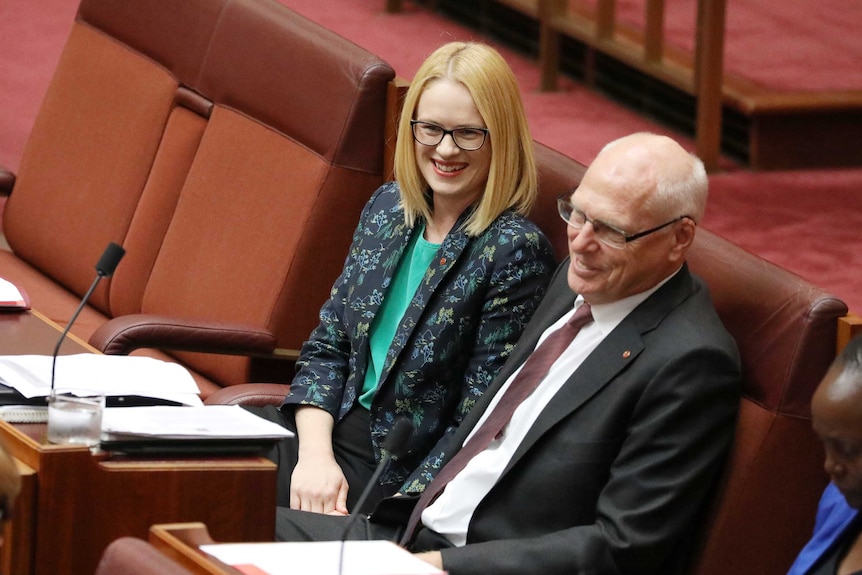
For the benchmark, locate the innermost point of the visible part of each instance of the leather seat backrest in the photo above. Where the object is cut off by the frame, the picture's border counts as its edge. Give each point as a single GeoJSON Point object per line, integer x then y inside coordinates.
{"type": "Point", "coordinates": [87, 159]}
{"type": "Point", "coordinates": [291, 151]}
{"type": "Point", "coordinates": [785, 329]}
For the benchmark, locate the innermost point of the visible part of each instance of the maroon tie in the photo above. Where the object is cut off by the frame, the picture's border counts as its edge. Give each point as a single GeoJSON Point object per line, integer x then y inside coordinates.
{"type": "Point", "coordinates": [532, 373]}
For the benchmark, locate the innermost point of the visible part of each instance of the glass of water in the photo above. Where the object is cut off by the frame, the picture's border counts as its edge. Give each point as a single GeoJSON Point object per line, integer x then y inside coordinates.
{"type": "Point", "coordinates": [74, 419]}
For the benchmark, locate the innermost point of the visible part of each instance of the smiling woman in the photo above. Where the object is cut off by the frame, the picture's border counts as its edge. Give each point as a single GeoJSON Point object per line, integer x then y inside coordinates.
{"type": "Point", "coordinates": [443, 274]}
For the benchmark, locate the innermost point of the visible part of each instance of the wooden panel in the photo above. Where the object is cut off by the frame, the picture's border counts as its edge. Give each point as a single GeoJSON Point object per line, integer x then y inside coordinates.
{"type": "Point", "coordinates": [181, 542]}
{"type": "Point", "coordinates": [115, 497]}
{"type": "Point", "coordinates": [395, 93]}
{"type": "Point", "coordinates": [849, 326]}
{"type": "Point", "coordinates": [709, 67]}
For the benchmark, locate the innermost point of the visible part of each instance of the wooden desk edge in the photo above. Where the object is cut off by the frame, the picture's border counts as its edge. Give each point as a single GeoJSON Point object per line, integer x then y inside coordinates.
{"type": "Point", "coordinates": [181, 542]}
{"type": "Point", "coordinates": [849, 327]}
{"type": "Point", "coordinates": [69, 335]}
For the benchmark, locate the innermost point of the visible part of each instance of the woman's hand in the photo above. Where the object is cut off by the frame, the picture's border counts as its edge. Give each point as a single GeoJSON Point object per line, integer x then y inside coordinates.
{"type": "Point", "coordinates": [317, 483]}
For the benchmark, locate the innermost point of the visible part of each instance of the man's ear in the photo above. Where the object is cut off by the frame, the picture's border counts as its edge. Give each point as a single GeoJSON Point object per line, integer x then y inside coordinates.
{"type": "Point", "coordinates": [683, 236]}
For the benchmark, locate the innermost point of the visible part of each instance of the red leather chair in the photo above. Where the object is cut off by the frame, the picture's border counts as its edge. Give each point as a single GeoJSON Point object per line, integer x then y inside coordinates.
{"type": "Point", "coordinates": [229, 146]}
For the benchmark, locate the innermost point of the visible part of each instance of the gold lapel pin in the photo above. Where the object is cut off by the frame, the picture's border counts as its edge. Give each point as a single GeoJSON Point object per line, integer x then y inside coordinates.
{"type": "Point", "coordinates": [626, 354]}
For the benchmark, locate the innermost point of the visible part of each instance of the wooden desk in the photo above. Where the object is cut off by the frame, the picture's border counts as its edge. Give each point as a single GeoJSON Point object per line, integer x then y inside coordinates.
{"type": "Point", "coordinates": [74, 503]}
{"type": "Point", "coordinates": [27, 332]}
{"type": "Point", "coordinates": [181, 542]}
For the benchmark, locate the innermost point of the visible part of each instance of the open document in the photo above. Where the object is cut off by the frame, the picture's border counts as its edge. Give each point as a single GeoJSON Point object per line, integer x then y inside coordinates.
{"type": "Point", "coordinates": [204, 422]}
{"type": "Point", "coordinates": [182, 430]}
{"type": "Point", "coordinates": [93, 373]}
{"type": "Point", "coordinates": [321, 558]}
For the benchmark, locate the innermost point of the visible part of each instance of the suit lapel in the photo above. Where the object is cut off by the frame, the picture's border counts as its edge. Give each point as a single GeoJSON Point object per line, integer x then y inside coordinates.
{"type": "Point", "coordinates": [450, 250]}
{"type": "Point", "coordinates": [556, 302]}
{"type": "Point", "coordinates": [621, 347]}
{"type": "Point", "coordinates": [392, 241]}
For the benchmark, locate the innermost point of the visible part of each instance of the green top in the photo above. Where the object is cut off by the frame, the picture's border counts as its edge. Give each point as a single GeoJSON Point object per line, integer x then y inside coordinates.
{"type": "Point", "coordinates": [411, 269]}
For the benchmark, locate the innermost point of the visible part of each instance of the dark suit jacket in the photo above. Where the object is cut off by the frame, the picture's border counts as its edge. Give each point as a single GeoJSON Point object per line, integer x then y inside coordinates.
{"type": "Point", "coordinates": [468, 312]}
{"type": "Point", "coordinates": [616, 471]}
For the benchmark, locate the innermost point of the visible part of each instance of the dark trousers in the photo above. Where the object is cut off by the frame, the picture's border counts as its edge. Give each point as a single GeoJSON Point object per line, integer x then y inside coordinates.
{"type": "Point", "coordinates": [351, 443]}
{"type": "Point", "coordinates": [293, 525]}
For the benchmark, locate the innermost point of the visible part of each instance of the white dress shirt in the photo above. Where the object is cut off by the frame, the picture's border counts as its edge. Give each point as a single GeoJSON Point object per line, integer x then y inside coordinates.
{"type": "Point", "coordinates": [451, 513]}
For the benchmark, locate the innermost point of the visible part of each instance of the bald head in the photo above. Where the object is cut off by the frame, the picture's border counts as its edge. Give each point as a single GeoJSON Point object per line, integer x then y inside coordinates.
{"type": "Point", "coordinates": [668, 178]}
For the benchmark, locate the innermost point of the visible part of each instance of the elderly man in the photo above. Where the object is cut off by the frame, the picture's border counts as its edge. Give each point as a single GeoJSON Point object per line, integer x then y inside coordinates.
{"type": "Point", "coordinates": [598, 456]}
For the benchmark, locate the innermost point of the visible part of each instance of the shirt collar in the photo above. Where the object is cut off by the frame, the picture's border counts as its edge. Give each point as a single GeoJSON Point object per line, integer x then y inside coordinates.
{"type": "Point", "coordinates": [608, 315]}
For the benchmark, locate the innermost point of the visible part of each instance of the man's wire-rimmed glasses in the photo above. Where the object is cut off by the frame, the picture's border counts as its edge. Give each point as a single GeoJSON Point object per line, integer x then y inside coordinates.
{"type": "Point", "coordinates": [609, 235]}
{"type": "Point", "coordinates": [468, 139]}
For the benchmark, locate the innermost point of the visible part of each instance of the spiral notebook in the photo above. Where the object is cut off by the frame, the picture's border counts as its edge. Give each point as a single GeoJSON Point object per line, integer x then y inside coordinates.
{"type": "Point", "coordinates": [24, 413]}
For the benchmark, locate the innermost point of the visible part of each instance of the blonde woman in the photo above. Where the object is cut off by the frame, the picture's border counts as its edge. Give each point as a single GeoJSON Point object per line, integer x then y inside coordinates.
{"type": "Point", "coordinates": [442, 276]}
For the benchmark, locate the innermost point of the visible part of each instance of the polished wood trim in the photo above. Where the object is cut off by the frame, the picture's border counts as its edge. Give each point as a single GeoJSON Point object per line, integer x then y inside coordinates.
{"type": "Point", "coordinates": [708, 78]}
{"type": "Point", "coordinates": [181, 542]}
{"type": "Point", "coordinates": [395, 93]}
{"type": "Point", "coordinates": [654, 33]}
{"type": "Point", "coordinates": [70, 336]}
{"type": "Point", "coordinates": [30, 332]}
{"type": "Point", "coordinates": [115, 495]}
{"type": "Point", "coordinates": [849, 326]}
{"type": "Point", "coordinates": [123, 496]}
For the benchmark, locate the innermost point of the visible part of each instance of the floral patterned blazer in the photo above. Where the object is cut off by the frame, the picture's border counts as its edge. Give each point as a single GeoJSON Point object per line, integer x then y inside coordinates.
{"type": "Point", "coordinates": [469, 310]}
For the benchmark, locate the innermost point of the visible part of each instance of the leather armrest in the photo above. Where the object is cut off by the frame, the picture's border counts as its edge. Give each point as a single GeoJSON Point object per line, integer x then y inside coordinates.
{"type": "Point", "coordinates": [123, 334]}
{"type": "Point", "coordinates": [7, 181]}
{"type": "Point", "coordinates": [254, 394]}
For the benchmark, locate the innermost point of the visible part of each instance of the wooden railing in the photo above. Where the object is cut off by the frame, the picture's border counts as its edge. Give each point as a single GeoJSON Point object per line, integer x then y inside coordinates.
{"type": "Point", "coordinates": [597, 28]}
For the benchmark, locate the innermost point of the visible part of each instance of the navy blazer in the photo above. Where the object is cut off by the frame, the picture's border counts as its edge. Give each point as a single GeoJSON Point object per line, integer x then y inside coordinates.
{"type": "Point", "coordinates": [617, 469]}
{"type": "Point", "coordinates": [464, 320]}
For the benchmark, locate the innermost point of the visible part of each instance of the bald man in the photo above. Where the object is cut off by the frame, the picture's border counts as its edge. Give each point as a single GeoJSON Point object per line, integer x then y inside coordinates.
{"type": "Point", "coordinates": [606, 467]}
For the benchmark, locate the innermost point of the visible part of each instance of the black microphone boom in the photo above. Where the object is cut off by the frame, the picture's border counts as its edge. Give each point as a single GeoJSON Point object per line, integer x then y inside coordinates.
{"type": "Point", "coordinates": [394, 447]}
{"type": "Point", "coordinates": [104, 268]}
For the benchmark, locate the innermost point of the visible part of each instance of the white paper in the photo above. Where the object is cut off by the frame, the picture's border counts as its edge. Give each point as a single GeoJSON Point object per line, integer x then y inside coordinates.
{"type": "Point", "coordinates": [89, 373]}
{"type": "Point", "coordinates": [178, 422]}
{"type": "Point", "coordinates": [322, 558]}
{"type": "Point", "coordinates": [9, 292]}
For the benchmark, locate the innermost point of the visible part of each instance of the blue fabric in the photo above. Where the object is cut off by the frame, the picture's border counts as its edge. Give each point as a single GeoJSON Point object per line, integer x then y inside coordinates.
{"type": "Point", "coordinates": [462, 323]}
{"type": "Point", "coordinates": [833, 517]}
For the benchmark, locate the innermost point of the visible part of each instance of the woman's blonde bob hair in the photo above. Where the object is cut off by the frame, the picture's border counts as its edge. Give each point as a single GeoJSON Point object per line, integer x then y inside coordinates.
{"type": "Point", "coordinates": [512, 177]}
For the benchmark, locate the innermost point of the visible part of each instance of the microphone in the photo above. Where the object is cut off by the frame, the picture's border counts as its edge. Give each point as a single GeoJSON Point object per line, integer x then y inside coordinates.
{"type": "Point", "coordinates": [393, 448]}
{"type": "Point", "coordinates": [104, 268]}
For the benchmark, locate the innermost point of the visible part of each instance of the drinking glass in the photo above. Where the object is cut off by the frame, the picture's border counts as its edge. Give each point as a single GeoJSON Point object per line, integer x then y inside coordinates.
{"type": "Point", "coordinates": [74, 419]}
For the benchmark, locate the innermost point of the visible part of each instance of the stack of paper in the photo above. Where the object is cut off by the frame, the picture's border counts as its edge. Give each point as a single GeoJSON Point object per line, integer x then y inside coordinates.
{"type": "Point", "coordinates": [93, 373]}
{"type": "Point", "coordinates": [321, 558]}
{"type": "Point", "coordinates": [205, 422]}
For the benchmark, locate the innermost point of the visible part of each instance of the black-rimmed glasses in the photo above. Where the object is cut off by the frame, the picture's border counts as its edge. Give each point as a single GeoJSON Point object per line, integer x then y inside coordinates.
{"type": "Point", "coordinates": [468, 139]}
{"type": "Point", "coordinates": [609, 235]}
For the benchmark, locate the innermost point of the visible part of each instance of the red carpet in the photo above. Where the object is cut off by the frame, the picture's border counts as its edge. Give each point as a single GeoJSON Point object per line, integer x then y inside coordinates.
{"type": "Point", "coordinates": [805, 221]}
